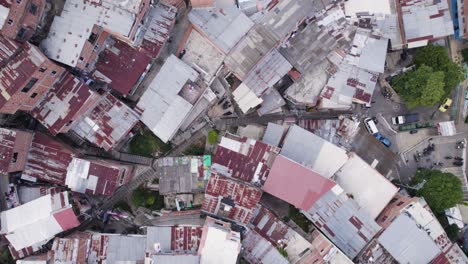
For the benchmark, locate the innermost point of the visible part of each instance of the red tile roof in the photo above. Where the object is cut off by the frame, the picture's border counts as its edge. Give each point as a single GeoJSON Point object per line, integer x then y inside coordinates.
{"type": "Point", "coordinates": [122, 66]}
{"type": "Point", "coordinates": [230, 198]}
{"type": "Point", "coordinates": [295, 183]}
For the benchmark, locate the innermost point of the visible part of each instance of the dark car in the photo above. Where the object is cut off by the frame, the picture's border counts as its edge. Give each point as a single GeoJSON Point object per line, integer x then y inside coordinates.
{"type": "Point", "coordinates": [458, 163]}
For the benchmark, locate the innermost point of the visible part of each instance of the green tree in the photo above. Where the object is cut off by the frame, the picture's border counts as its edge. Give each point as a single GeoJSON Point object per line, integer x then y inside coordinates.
{"type": "Point", "coordinates": [212, 136]}
{"type": "Point", "coordinates": [147, 144]}
{"type": "Point", "coordinates": [441, 190]}
{"type": "Point", "coordinates": [422, 86]}
{"type": "Point", "coordinates": [438, 59]}
{"type": "Point", "coordinates": [453, 232]}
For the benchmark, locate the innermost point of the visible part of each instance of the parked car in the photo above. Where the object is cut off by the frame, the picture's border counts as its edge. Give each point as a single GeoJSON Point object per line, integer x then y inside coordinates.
{"type": "Point", "coordinates": [371, 126]}
{"type": "Point", "coordinates": [458, 163]}
{"type": "Point", "coordinates": [414, 131]}
{"type": "Point", "coordinates": [404, 119]}
{"type": "Point", "coordinates": [383, 139]}
{"type": "Point", "coordinates": [443, 108]}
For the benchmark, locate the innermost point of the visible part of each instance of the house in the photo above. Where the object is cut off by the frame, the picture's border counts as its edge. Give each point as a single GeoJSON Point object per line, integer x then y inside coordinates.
{"type": "Point", "coordinates": [219, 244]}
{"type": "Point", "coordinates": [259, 250]}
{"type": "Point", "coordinates": [324, 203]}
{"type": "Point", "coordinates": [230, 198]}
{"type": "Point", "coordinates": [26, 75]}
{"type": "Point", "coordinates": [266, 226]}
{"type": "Point", "coordinates": [14, 147]}
{"type": "Point", "coordinates": [244, 159]}
{"type": "Point", "coordinates": [169, 98]}
{"type": "Point", "coordinates": [322, 156]}
{"type": "Point", "coordinates": [30, 226]}
{"type": "Point", "coordinates": [20, 19]}
{"type": "Point", "coordinates": [77, 35]}
{"type": "Point", "coordinates": [51, 162]}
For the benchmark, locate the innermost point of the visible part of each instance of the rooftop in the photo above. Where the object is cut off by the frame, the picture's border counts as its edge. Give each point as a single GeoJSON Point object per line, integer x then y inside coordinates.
{"type": "Point", "coordinates": [163, 107]}
{"type": "Point", "coordinates": [121, 66]}
{"type": "Point", "coordinates": [296, 184]}
{"type": "Point", "coordinates": [186, 174]}
{"type": "Point", "coordinates": [107, 123]}
{"type": "Point", "coordinates": [14, 146]}
{"type": "Point", "coordinates": [245, 159]}
{"type": "Point", "coordinates": [230, 198]}
{"type": "Point", "coordinates": [355, 7]}
{"type": "Point", "coordinates": [273, 134]}
{"type": "Point", "coordinates": [222, 26]}
{"type": "Point", "coordinates": [322, 156]}
{"type": "Point", "coordinates": [64, 104]}
{"type": "Point", "coordinates": [370, 189]}
{"type": "Point", "coordinates": [29, 226]}
{"type": "Point", "coordinates": [257, 249]}
{"type": "Point", "coordinates": [174, 240]}
{"type": "Point", "coordinates": [115, 248]}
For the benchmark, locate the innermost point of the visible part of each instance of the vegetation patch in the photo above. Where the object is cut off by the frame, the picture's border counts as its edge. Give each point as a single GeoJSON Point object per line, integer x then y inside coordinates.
{"type": "Point", "coordinates": [212, 136]}
{"type": "Point", "coordinates": [147, 144]}
{"type": "Point", "coordinates": [298, 218]}
{"type": "Point", "coordinates": [147, 198]}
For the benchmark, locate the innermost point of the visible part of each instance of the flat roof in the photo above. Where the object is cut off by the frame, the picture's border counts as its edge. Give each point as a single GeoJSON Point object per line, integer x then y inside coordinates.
{"type": "Point", "coordinates": [354, 7]}
{"type": "Point", "coordinates": [296, 184]}
{"type": "Point", "coordinates": [162, 107]}
{"type": "Point", "coordinates": [219, 244]}
{"type": "Point", "coordinates": [321, 156]}
{"type": "Point", "coordinates": [223, 26]}
{"type": "Point", "coordinates": [370, 189]}
{"type": "Point", "coordinates": [273, 134]}
{"type": "Point", "coordinates": [184, 239]}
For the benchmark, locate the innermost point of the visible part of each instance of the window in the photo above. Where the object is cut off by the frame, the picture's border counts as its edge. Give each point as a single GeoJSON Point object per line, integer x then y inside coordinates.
{"type": "Point", "coordinates": [92, 38]}
{"type": "Point", "coordinates": [54, 72]}
{"type": "Point", "coordinates": [33, 9]}
{"type": "Point", "coordinates": [81, 59]}
{"type": "Point", "coordinates": [15, 157]}
{"type": "Point", "coordinates": [10, 21]}
{"type": "Point", "coordinates": [33, 95]}
{"type": "Point", "coordinates": [69, 122]}
{"type": "Point", "coordinates": [42, 69]}
{"type": "Point", "coordinates": [21, 33]}
{"type": "Point", "coordinates": [87, 65]}
{"type": "Point", "coordinates": [29, 85]}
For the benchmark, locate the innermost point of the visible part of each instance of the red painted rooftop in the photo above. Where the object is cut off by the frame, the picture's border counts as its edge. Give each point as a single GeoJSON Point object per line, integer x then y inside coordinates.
{"type": "Point", "coordinates": [295, 183]}
{"type": "Point", "coordinates": [67, 219]}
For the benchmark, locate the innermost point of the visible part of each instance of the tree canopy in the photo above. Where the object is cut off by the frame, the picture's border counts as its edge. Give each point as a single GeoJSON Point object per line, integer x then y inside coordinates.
{"type": "Point", "coordinates": [441, 190]}
{"type": "Point", "coordinates": [434, 78]}
{"type": "Point", "coordinates": [422, 86]}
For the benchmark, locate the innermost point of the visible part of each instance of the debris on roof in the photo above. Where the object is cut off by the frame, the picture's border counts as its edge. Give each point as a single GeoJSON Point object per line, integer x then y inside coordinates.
{"type": "Point", "coordinates": [230, 198]}
{"type": "Point", "coordinates": [188, 174]}
{"type": "Point", "coordinates": [29, 226]}
{"type": "Point", "coordinates": [370, 189]}
{"type": "Point", "coordinates": [173, 240]}
{"type": "Point", "coordinates": [222, 26]}
{"type": "Point", "coordinates": [169, 98]}
{"type": "Point", "coordinates": [322, 156]}
{"type": "Point", "coordinates": [257, 249]}
{"type": "Point", "coordinates": [218, 243]}
{"type": "Point", "coordinates": [245, 159]}
{"type": "Point", "coordinates": [106, 123]}
{"type": "Point", "coordinates": [121, 66]}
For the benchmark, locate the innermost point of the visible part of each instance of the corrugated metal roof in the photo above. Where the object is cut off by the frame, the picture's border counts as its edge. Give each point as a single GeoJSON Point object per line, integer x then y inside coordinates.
{"type": "Point", "coordinates": [273, 134]}
{"type": "Point", "coordinates": [181, 174]}
{"type": "Point", "coordinates": [259, 250]}
{"type": "Point", "coordinates": [163, 109]}
{"type": "Point", "coordinates": [173, 239]}
{"type": "Point", "coordinates": [176, 259]}
{"type": "Point", "coordinates": [296, 184]}
{"type": "Point", "coordinates": [371, 190]}
{"type": "Point", "coordinates": [223, 26]}
{"type": "Point", "coordinates": [321, 156]}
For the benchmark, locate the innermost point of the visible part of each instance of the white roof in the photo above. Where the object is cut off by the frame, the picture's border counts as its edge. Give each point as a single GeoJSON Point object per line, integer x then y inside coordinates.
{"type": "Point", "coordinates": [369, 188]}
{"type": "Point", "coordinates": [312, 151]}
{"type": "Point", "coordinates": [246, 98]}
{"type": "Point", "coordinates": [70, 31]}
{"type": "Point", "coordinates": [370, 6]}
{"type": "Point", "coordinates": [77, 175]}
{"type": "Point", "coordinates": [454, 216]}
{"type": "Point", "coordinates": [218, 249]}
{"type": "Point", "coordinates": [447, 128]}
{"type": "Point", "coordinates": [408, 243]}
{"type": "Point", "coordinates": [425, 218]}
{"type": "Point", "coordinates": [230, 144]}
{"type": "Point", "coordinates": [3, 14]}
{"type": "Point", "coordinates": [163, 109]}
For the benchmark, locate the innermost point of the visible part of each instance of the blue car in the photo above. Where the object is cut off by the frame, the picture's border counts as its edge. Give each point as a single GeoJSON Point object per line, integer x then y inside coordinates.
{"type": "Point", "coordinates": [383, 139]}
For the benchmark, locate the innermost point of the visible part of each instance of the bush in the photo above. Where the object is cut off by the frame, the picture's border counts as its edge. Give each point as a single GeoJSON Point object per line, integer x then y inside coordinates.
{"type": "Point", "coordinates": [283, 252]}
{"type": "Point", "coordinates": [146, 144]}
{"type": "Point", "coordinates": [148, 199]}
{"type": "Point", "coordinates": [195, 150]}
{"type": "Point", "coordinates": [465, 55]}
{"type": "Point", "coordinates": [297, 217]}
{"type": "Point", "coordinates": [212, 136]}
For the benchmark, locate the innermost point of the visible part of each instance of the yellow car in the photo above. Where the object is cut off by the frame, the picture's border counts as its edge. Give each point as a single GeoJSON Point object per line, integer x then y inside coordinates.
{"type": "Point", "coordinates": [446, 105]}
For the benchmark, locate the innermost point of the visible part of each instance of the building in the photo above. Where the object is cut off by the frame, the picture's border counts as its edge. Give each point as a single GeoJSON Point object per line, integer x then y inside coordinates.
{"type": "Point", "coordinates": [244, 159]}
{"type": "Point", "coordinates": [107, 123]}
{"type": "Point", "coordinates": [14, 147]}
{"type": "Point", "coordinates": [30, 226]}
{"type": "Point", "coordinates": [409, 229]}
{"type": "Point", "coordinates": [169, 98]}
{"type": "Point", "coordinates": [317, 249]}
{"type": "Point", "coordinates": [20, 19]}
{"type": "Point", "coordinates": [121, 66]}
{"type": "Point", "coordinates": [77, 35]}
{"type": "Point", "coordinates": [324, 203]}
{"type": "Point", "coordinates": [370, 189]}
{"type": "Point", "coordinates": [51, 162]}
{"type": "Point", "coordinates": [273, 134]}
{"type": "Point", "coordinates": [71, 106]}
{"type": "Point", "coordinates": [230, 198]}
{"type": "Point", "coordinates": [26, 75]}
{"type": "Point", "coordinates": [322, 156]}
{"type": "Point", "coordinates": [257, 249]}
{"type": "Point", "coordinates": [224, 27]}
{"type": "Point", "coordinates": [219, 244]}
{"type": "Point", "coordinates": [187, 174]}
